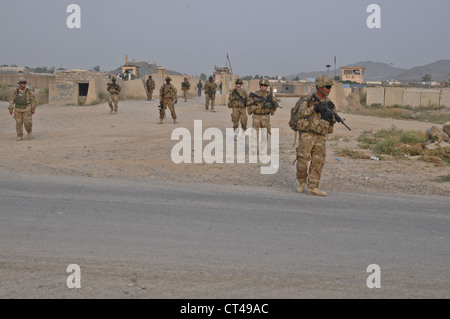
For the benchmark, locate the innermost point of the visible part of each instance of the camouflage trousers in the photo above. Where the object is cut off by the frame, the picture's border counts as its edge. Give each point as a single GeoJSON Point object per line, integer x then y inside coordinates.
{"type": "Point", "coordinates": [185, 95]}
{"type": "Point", "coordinates": [149, 94]}
{"type": "Point", "coordinates": [210, 99]}
{"type": "Point", "coordinates": [23, 118]}
{"type": "Point", "coordinates": [312, 148]}
{"type": "Point", "coordinates": [114, 102]}
{"type": "Point", "coordinates": [239, 115]}
{"type": "Point", "coordinates": [261, 121]}
{"type": "Point", "coordinates": [168, 103]}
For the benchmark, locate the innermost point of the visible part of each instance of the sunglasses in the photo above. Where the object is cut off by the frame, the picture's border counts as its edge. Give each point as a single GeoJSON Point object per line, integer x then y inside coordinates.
{"type": "Point", "coordinates": [22, 82]}
{"type": "Point", "coordinates": [263, 85]}
{"type": "Point", "coordinates": [328, 87]}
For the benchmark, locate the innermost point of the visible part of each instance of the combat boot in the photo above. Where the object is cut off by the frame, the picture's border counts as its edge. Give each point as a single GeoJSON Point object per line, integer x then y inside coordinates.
{"type": "Point", "coordinates": [18, 138]}
{"type": "Point", "coordinates": [29, 136]}
{"type": "Point", "coordinates": [161, 121]}
{"type": "Point", "coordinates": [175, 121]}
{"type": "Point", "coordinates": [301, 187]}
{"type": "Point", "coordinates": [316, 191]}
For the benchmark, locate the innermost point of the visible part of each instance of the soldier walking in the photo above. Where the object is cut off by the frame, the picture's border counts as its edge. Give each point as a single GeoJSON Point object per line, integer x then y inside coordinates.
{"type": "Point", "coordinates": [210, 89]}
{"type": "Point", "coordinates": [261, 107]}
{"type": "Point", "coordinates": [238, 102]}
{"type": "Point", "coordinates": [199, 87]}
{"type": "Point", "coordinates": [167, 99]}
{"type": "Point", "coordinates": [150, 85]}
{"type": "Point", "coordinates": [23, 105]}
{"type": "Point", "coordinates": [185, 86]}
{"type": "Point", "coordinates": [114, 90]}
{"type": "Point", "coordinates": [315, 123]}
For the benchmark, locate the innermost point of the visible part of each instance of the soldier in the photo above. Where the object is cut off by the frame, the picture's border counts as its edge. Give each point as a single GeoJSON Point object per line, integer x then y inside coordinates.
{"type": "Point", "coordinates": [199, 87]}
{"type": "Point", "coordinates": [23, 105]}
{"type": "Point", "coordinates": [114, 91]}
{"type": "Point", "coordinates": [150, 85]}
{"type": "Point", "coordinates": [185, 86]}
{"type": "Point", "coordinates": [167, 98]}
{"type": "Point", "coordinates": [262, 106]}
{"type": "Point", "coordinates": [315, 123]}
{"type": "Point", "coordinates": [210, 89]}
{"type": "Point", "coordinates": [238, 102]}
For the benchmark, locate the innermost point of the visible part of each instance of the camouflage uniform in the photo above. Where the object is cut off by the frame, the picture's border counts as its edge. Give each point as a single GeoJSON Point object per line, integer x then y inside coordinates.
{"type": "Point", "coordinates": [210, 89]}
{"type": "Point", "coordinates": [150, 86]}
{"type": "Point", "coordinates": [237, 101]}
{"type": "Point", "coordinates": [185, 86]}
{"type": "Point", "coordinates": [23, 105]}
{"type": "Point", "coordinates": [312, 145]}
{"type": "Point", "coordinates": [168, 97]}
{"type": "Point", "coordinates": [114, 91]}
{"type": "Point", "coordinates": [261, 113]}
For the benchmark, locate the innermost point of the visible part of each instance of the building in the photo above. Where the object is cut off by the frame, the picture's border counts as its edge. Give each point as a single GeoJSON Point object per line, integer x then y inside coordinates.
{"type": "Point", "coordinates": [353, 74]}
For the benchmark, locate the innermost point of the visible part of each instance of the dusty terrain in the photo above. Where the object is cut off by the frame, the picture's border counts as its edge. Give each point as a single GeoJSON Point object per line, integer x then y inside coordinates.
{"type": "Point", "coordinates": [89, 141]}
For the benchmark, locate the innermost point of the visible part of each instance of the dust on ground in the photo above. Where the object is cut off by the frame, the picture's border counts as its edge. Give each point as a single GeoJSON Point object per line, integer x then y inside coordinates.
{"type": "Point", "coordinates": [89, 141]}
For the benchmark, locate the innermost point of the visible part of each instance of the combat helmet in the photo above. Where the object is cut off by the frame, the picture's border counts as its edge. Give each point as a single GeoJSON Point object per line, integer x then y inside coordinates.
{"type": "Point", "coordinates": [264, 82]}
{"type": "Point", "coordinates": [239, 81]}
{"type": "Point", "coordinates": [21, 79]}
{"type": "Point", "coordinates": [168, 78]}
{"type": "Point", "coordinates": [113, 78]}
{"type": "Point", "coordinates": [323, 80]}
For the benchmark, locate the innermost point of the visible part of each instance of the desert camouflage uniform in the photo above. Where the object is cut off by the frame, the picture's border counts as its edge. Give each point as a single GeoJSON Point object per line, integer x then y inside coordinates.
{"type": "Point", "coordinates": [261, 115]}
{"type": "Point", "coordinates": [114, 91]}
{"type": "Point", "coordinates": [150, 86]}
{"type": "Point", "coordinates": [236, 102]}
{"type": "Point", "coordinates": [210, 89]}
{"type": "Point", "coordinates": [185, 86]}
{"type": "Point", "coordinates": [167, 95]}
{"type": "Point", "coordinates": [23, 104]}
{"type": "Point", "coordinates": [312, 143]}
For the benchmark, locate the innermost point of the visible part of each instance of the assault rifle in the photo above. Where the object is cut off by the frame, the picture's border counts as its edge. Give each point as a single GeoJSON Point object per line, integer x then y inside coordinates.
{"type": "Point", "coordinates": [240, 98]}
{"type": "Point", "coordinates": [161, 105]}
{"type": "Point", "coordinates": [329, 107]}
{"type": "Point", "coordinates": [266, 101]}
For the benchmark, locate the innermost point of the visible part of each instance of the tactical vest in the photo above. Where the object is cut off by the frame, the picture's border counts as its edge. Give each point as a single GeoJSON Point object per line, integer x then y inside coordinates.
{"type": "Point", "coordinates": [169, 91]}
{"type": "Point", "coordinates": [259, 108]}
{"type": "Point", "coordinates": [314, 123]}
{"type": "Point", "coordinates": [21, 100]}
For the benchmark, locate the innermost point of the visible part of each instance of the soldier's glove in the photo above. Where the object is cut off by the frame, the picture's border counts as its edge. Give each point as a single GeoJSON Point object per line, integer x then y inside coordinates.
{"type": "Point", "coordinates": [319, 108]}
{"type": "Point", "coordinates": [327, 116]}
{"type": "Point", "coordinates": [176, 101]}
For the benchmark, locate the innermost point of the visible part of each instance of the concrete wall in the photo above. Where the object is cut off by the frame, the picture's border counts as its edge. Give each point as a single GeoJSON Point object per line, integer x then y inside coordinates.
{"type": "Point", "coordinates": [393, 96]}
{"type": "Point", "coordinates": [78, 76]}
{"type": "Point", "coordinates": [337, 95]}
{"type": "Point", "coordinates": [375, 96]}
{"type": "Point", "coordinates": [63, 94]}
{"type": "Point", "coordinates": [411, 97]}
{"type": "Point", "coordinates": [133, 89]}
{"type": "Point", "coordinates": [445, 98]}
{"type": "Point", "coordinates": [34, 81]}
{"type": "Point", "coordinates": [95, 88]}
{"type": "Point", "coordinates": [430, 98]}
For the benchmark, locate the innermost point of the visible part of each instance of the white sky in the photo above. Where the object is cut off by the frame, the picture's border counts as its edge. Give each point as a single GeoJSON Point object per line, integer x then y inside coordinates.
{"type": "Point", "coordinates": [263, 37]}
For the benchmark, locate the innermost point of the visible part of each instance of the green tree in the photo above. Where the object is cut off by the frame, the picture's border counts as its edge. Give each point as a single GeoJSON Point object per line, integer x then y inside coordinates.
{"type": "Point", "coordinates": [426, 77]}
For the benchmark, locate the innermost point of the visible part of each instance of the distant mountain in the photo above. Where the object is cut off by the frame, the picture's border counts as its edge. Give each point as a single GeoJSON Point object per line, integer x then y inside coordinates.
{"type": "Point", "coordinates": [439, 70]}
{"type": "Point", "coordinates": [376, 71]}
{"type": "Point", "coordinates": [145, 68]}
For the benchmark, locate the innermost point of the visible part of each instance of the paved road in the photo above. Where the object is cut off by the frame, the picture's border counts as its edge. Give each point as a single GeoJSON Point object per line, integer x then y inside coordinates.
{"type": "Point", "coordinates": [142, 239]}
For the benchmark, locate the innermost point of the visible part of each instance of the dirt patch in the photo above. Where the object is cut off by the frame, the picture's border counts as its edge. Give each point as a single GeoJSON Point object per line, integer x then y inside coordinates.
{"type": "Point", "coordinates": [89, 141]}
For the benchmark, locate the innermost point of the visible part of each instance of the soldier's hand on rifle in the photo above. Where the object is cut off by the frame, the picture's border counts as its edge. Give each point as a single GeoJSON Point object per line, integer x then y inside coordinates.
{"type": "Point", "coordinates": [319, 108]}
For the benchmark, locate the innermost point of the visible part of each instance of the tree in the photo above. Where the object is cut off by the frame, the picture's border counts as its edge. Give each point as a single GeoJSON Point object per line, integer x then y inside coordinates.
{"type": "Point", "coordinates": [203, 77]}
{"type": "Point", "coordinates": [97, 68]}
{"type": "Point", "coordinates": [296, 78]}
{"type": "Point", "coordinates": [426, 77]}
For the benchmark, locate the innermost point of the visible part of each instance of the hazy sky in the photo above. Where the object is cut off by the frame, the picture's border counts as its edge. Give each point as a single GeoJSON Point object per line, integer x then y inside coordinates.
{"type": "Point", "coordinates": [263, 37]}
